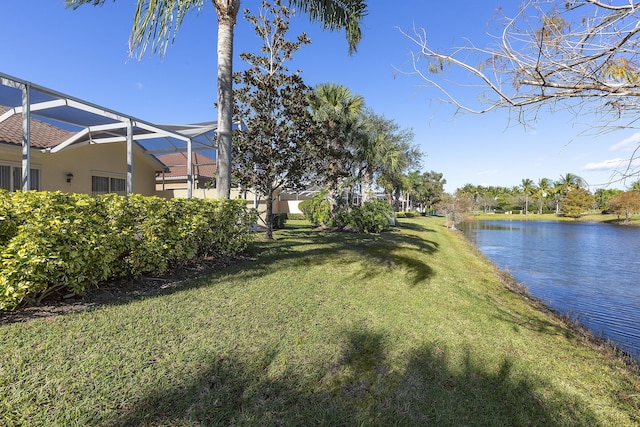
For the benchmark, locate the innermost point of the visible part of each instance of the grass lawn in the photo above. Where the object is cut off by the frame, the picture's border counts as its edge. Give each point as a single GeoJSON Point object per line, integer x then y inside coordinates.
{"type": "Point", "coordinates": [410, 327]}
{"type": "Point", "coordinates": [592, 217]}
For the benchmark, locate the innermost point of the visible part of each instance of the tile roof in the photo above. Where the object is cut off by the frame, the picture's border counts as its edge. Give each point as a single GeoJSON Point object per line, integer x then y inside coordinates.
{"type": "Point", "coordinates": [43, 135]}
{"type": "Point", "coordinates": [203, 166]}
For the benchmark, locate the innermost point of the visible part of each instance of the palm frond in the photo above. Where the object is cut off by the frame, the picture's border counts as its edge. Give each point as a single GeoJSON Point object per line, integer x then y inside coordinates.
{"type": "Point", "coordinates": [336, 15]}
{"type": "Point", "coordinates": [156, 23]}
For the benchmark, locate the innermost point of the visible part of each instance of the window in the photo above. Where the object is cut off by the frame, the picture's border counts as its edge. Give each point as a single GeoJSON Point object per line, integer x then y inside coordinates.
{"type": "Point", "coordinates": [11, 178]}
{"type": "Point", "coordinates": [105, 184]}
{"type": "Point", "coordinates": [207, 183]}
{"type": "Point", "coordinates": [5, 177]}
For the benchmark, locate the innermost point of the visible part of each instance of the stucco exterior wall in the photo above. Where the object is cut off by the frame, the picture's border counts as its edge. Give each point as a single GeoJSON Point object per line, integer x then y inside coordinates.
{"type": "Point", "coordinates": [109, 160]}
{"type": "Point", "coordinates": [179, 191]}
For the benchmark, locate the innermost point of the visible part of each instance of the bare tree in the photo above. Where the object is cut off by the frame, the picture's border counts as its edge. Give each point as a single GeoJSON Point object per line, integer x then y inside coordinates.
{"type": "Point", "coordinates": [457, 208]}
{"type": "Point", "coordinates": [579, 55]}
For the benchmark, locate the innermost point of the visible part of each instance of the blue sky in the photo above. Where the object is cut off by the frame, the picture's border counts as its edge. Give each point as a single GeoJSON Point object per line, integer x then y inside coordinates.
{"type": "Point", "coordinates": [84, 53]}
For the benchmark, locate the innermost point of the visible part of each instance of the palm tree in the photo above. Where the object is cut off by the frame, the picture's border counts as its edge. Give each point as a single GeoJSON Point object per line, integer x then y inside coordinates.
{"type": "Point", "coordinates": [527, 186]}
{"type": "Point", "coordinates": [382, 149]}
{"type": "Point", "coordinates": [565, 184]}
{"type": "Point", "coordinates": [369, 150]}
{"type": "Point", "coordinates": [396, 160]}
{"type": "Point", "coordinates": [158, 21]}
{"type": "Point", "coordinates": [544, 186]}
{"type": "Point", "coordinates": [556, 192]}
{"type": "Point", "coordinates": [413, 185]}
{"type": "Point", "coordinates": [340, 112]}
{"type": "Point", "coordinates": [570, 182]}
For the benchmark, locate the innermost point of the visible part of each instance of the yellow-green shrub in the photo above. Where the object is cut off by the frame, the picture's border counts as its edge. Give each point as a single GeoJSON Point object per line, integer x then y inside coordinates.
{"type": "Point", "coordinates": [8, 223]}
{"type": "Point", "coordinates": [51, 241]}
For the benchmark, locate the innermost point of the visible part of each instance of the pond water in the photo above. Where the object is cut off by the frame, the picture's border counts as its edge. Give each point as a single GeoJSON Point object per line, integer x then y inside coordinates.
{"type": "Point", "coordinates": [589, 271]}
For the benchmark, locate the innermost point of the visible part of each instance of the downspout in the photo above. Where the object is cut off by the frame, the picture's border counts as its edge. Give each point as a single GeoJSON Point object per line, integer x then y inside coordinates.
{"type": "Point", "coordinates": [189, 170]}
{"type": "Point", "coordinates": [26, 137]}
{"type": "Point", "coordinates": [129, 157]}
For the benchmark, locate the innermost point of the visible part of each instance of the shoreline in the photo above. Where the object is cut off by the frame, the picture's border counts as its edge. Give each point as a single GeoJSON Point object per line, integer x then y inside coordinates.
{"type": "Point", "coordinates": [586, 335]}
{"type": "Point", "coordinates": [513, 285]}
{"type": "Point", "coordinates": [634, 220]}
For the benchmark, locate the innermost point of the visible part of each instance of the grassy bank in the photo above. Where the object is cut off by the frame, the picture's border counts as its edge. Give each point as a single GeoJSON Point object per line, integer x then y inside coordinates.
{"type": "Point", "coordinates": [410, 327]}
{"type": "Point", "coordinates": [593, 217]}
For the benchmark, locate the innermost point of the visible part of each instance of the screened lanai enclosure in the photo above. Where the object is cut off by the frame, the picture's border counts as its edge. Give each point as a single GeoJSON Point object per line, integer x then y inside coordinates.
{"type": "Point", "coordinates": [24, 103]}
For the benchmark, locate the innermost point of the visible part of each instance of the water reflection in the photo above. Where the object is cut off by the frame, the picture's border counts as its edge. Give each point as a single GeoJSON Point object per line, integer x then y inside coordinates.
{"type": "Point", "coordinates": [589, 271]}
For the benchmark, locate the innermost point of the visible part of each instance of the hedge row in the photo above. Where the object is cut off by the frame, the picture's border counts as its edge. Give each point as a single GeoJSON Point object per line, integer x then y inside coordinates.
{"type": "Point", "coordinates": [51, 240]}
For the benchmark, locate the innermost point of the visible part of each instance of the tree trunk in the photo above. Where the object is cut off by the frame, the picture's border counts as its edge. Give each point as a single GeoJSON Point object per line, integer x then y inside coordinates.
{"type": "Point", "coordinates": [333, 197]}
{"type": "Point", "coordinates": [269, 214]}
{"type": "Point", "coordinates": [367, 182]}
{"type": "Point", "coordinates": [227, 11]}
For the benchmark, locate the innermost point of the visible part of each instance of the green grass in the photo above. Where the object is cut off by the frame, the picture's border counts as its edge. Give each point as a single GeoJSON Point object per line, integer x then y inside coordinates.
{"type": "Point", "coordinates": [410, 327]}
{"type": "Point", "coordinates": [592, 217]}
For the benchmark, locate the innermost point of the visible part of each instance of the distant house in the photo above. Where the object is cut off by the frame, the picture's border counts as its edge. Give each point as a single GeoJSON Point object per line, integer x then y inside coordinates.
{"type": "Point", "coordinates": [80, 168]}
{"type": "Point", "coordinates": [173, 182]}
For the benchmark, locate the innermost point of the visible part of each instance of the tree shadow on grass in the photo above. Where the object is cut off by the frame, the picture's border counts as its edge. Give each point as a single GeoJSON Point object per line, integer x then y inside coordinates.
{"type": "Point", "coordinates": [375, 254]}
{"type": "Point", "coordinates": [415, 226]}
{"type": "Point", "coordinates": [430, 386]}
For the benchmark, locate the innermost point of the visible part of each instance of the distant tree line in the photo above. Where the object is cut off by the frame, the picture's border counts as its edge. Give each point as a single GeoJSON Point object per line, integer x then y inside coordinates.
{"type": "Point", "coordinates": [568, 196]}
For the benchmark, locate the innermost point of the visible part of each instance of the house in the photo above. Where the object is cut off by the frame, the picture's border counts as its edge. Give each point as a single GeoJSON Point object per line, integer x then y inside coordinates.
{"type": "Point", "coordinates": [70, 145]}
{"type": "Point", "coordinates": [53, 141]}
{"type": "Point", "coordinates": [79, 168]}
{"type": "Point", "coordinates": [173, 182]}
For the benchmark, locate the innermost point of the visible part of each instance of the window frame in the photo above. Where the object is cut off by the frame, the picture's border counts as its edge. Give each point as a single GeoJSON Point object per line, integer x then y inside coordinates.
{"type": "Point", "coordinates": [14, 177]}
{"type": "Point", "coordinates": [114, 184]}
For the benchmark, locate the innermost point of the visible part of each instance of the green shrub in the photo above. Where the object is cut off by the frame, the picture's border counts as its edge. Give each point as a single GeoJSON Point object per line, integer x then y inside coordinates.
{"type": "Point", "coordinates": [60, 243]}
{"type": "Point", "coordinates": [52, 241]}
{"type": "Point", "coordinates": [305, 207]}
{"type": "Point", "coordinates": [296, 216]}
{"type": "Point", "coordinates": [407, 214]}
{"type": "Point", "coordinates": [278, 221]}
{"type": "Point", "coordinates": [8, 221]}
{"type": "Point", "coordinates": [372, 217]}
{"type": "Point", "coordinates": [317, 209]}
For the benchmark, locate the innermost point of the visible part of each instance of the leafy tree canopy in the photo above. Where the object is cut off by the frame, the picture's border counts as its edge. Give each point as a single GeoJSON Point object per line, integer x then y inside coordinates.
{"type": "Point", "coordinates": [275, 147]}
